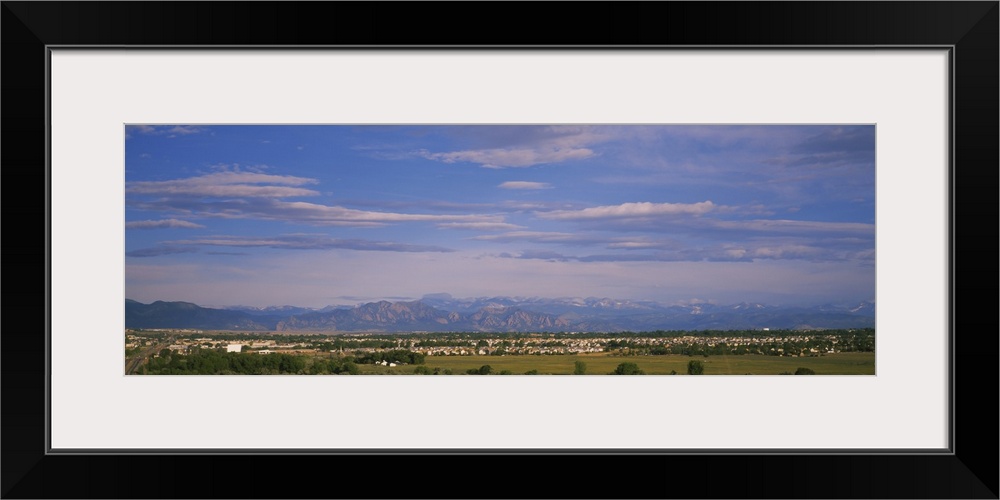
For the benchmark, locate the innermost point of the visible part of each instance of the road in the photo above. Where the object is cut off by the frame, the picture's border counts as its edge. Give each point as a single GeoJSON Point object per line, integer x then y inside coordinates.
{"type": "Point", "coordinates": [132, 364]}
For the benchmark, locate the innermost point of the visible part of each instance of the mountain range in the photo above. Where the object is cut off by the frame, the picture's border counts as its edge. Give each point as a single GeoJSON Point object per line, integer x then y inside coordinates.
{"type": "Point", "coordinates": [441, 313]}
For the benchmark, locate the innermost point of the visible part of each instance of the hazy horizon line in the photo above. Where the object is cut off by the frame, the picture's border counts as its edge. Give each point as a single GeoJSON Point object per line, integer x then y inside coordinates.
{"type": "Point", "coordinates": [359, 301]}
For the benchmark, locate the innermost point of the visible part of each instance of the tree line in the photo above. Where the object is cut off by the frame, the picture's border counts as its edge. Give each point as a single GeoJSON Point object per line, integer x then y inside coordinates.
{"type": "Point", "coordinates": [212, 362]}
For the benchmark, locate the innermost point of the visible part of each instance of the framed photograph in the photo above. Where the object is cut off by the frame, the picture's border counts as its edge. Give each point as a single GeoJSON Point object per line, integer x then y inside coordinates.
{"type": "Point", "coordinates": [450, 209]}
{"type": "Point", "coordinates": [457, 249]}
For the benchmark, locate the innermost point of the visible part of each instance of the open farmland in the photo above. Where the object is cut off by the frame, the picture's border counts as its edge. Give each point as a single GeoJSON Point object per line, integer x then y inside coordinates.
{"type": "Point", "coordinates": [848, 363]}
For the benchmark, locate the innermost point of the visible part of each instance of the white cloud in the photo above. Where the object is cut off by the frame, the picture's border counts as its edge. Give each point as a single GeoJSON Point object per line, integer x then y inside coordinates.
{"type": "Point", "coordinates": [776, 252]}
{"type": "Point", "coordinates": [227, 184]}
{"type": "Point", "coordinates": [505, 158]}
{"type": "Point", "coordinates": [297, 212]}
{"type": "Point", "coordinates": [524, 185]}
{"type": "Point", "coordinates": [161, 224]}
{"type": "Point", "coordinates": [183, 130]}
{"type": "Point", "coordinates": [479, 226]}
{"type": "Point", "coordinates": [631, 210]}
{"type": "Point", "coordinates": [234, 194]}
{"type": "Point", "coordinates": [316, 213]}
{"type": "Point", "coordinates": [634, 245]}
{"type": "Point", "coordinates": [535, 236]}
{"type": "Point", "coordinates": [142, 129]}
{"type": "Point", "coordinates": [526, 146]}
{"type": "Point", "coordinates": [170, 131]}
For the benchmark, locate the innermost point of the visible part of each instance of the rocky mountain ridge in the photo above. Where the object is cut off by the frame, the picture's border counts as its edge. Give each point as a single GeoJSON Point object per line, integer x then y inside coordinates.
{"type": "Point", "coordinates": [439, 312]}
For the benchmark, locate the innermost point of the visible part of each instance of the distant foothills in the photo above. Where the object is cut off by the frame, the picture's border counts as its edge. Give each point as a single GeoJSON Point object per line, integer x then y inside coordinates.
{"type": "Point", "coordinates": [443, 313]}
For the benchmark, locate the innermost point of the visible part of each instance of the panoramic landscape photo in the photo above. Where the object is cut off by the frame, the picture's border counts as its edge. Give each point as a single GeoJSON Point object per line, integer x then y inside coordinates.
{"type": "Point", "coordinates": [499, 249]}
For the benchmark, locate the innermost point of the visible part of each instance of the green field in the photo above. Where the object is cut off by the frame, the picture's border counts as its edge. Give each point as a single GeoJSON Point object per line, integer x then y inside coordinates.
{"type": "Point", "coordinates": [847, 363]}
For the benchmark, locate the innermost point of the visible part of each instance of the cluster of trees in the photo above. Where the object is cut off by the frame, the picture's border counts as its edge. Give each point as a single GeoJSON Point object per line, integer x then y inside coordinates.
{"type": "Point", "coordinates": [335, 366]}
{"type": "Point", "coordinates": [627, 369]}
{"type": "Point", "coordinates": [482, 370]}
{"type": "Point", "coordinates": [212, 362]}
{"type": "Point", "coordinates": [488, 370]}
{"type": "Point", "coordinates": [800, 371]}
{"type": "Point", "coordinates": [694, 367]}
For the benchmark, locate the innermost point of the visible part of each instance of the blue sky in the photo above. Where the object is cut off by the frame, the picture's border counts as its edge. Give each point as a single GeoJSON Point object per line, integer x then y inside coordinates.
{"type": "Point", "coordinates": [319, 215]}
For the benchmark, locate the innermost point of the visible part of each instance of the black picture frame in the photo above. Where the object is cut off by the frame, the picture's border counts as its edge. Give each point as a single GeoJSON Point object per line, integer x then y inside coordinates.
{"type": "Point", "coordinates": [969, 28]}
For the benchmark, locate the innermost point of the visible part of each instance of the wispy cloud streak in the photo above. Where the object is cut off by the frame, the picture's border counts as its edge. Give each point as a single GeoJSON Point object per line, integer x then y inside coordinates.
{"type": "Point", "coordinates": [524, 185]}
{"type": "Point", "coordinates": [632, 210]}
{"type": "Point", "coordinates": [479, 226]}
{"type": "Point", "coordinates": [520, 147]}
{"type": "Point", "coordinates": [170, 131]}
{"type": "Point", "coordinates": [227, 184]}
{"type": "Point", "coordinates": [162, 224]}
{"type": "Point", "coordinates": [306, 242]}
{"type": "Point", "coordinates": [507, 158]}
{"type": "Point", "coordinates": [253, 195]}
{"type": "Point", "coordinates": [160, 250]}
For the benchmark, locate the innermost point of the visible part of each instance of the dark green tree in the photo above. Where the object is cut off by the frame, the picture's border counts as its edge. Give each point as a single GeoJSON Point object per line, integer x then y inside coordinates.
{"type": "Point", "coordinates": [579, 368]}
{"type": "Point", "coordinates": [628, 369]}
{"type": "Point", "coordinates": [804, 371]}
{"type": "Point", "coordinates": [695, 367]}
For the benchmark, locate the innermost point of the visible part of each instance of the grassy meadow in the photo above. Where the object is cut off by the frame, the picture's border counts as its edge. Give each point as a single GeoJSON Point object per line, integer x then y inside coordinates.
{"type": "Point", "coordinates": [846, 363]}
